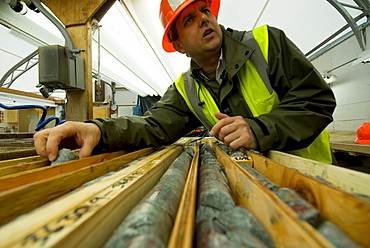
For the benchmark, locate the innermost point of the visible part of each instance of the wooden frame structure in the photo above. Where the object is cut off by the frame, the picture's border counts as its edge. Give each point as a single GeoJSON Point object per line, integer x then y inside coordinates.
{"type": "Point", "coordinates": [77, 17]}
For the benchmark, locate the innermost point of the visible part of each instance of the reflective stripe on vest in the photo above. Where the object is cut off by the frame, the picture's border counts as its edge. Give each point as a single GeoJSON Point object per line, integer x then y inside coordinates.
{"type": "Point", "coordinates": [260, 100]}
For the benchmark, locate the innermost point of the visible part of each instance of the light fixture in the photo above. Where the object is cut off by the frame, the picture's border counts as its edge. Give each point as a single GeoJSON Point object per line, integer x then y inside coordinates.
{"type": "Point", "coordinates": [363, 58]}
{"type": "Point", "coordinates": [13, 99]}
{"type": "Point", "coordinates": [329, 77]}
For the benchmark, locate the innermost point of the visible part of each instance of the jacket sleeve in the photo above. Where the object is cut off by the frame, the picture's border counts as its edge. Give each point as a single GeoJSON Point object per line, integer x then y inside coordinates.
{"type": "Point", "coordinates": [307, 102]}
{"type": "Point", "coordinates": [167, 121]}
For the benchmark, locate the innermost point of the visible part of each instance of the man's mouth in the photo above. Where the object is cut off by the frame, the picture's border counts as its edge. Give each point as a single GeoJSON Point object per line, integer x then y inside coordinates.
{"type": "Point", "coordinates": [207, 32]}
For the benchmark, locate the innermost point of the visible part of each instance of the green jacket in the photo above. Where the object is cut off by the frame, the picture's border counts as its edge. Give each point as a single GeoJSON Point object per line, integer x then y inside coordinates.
{"type": "Point", "coordinates": [306, 108]}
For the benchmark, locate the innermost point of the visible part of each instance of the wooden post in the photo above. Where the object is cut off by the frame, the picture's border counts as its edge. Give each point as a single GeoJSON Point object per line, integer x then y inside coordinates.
{"type": "Point", "coordinates": [79, 105]}
{"type": "Point", "coordinates": [76, 17]}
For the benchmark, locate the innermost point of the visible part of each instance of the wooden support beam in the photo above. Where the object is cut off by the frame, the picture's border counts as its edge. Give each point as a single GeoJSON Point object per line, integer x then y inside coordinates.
{"type": "Point", "coordinates": [79, 105]}
{"type": "Point", "coordinates": [72, 13]}
{"type": "Point", "coordinates": [76, 17]}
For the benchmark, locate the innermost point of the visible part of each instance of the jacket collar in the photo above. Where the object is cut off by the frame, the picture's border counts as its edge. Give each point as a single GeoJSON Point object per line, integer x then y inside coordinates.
{"type": "Point", "coordinates": [235, 52]}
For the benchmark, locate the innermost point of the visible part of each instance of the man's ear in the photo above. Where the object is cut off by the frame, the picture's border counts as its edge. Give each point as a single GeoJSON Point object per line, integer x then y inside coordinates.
{"type": "Point", "coordinates": [178, 47]}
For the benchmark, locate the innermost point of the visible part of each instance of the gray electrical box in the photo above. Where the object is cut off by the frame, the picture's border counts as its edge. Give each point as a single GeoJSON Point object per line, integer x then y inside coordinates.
{"type": "Point", "coordinates": [60, 69]}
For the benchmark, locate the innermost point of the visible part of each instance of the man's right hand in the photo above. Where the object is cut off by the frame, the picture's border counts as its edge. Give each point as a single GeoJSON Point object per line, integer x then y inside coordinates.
{"type": "Point", "coordinates": [70, 135]}
{"type": "Point", "coordinates": [234, 131]}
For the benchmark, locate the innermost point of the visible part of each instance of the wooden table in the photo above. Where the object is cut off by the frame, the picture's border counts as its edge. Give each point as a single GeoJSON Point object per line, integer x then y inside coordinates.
{"type": "Point", "coordinates": [16, 145]}
{"type": "Point", "coordinates": [343, 141]}
{"type": "Point", "coordinates": [14, 135]}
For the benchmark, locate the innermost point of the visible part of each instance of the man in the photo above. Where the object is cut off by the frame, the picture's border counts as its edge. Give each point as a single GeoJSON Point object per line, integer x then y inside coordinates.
{"type": "Point", "coordinates": [250, 89]}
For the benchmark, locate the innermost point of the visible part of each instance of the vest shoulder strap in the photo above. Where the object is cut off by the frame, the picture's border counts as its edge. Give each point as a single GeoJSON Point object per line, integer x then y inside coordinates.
{"type": "Point", "coordinates": [193, 97]}
{"type": "Point", "coordinates": [257, 59]}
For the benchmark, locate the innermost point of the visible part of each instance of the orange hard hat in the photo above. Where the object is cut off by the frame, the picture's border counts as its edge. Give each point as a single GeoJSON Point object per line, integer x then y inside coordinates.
{"type": "Point", "coordinates": [363, 134]}
{"type": "Point", "coordinates": [171, 9]}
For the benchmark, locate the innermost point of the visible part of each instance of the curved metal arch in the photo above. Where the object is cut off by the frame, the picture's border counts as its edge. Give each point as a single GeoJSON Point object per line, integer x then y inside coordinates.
{"type": "Point", "coordinates": [26, 62]}
{"type": "Point", "coordinates": [364, 6]}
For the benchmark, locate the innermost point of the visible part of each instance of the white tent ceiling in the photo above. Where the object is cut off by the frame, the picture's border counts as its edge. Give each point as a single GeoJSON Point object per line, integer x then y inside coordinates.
{"type": "Point", "coordinates": [130, 37]}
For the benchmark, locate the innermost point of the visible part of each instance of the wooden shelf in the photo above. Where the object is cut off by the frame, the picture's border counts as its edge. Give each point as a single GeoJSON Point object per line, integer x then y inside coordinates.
{"type": "Point", "coordinates": [343, 141]}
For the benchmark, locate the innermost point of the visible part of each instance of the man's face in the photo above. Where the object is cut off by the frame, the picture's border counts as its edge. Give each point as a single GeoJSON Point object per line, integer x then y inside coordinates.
{"type": "Point", "coordinates": [198, 30]}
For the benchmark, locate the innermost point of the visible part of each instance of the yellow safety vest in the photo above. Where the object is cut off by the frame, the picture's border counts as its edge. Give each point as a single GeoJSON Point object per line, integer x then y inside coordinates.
{"type": "Point", "coordinates": [259, 95]}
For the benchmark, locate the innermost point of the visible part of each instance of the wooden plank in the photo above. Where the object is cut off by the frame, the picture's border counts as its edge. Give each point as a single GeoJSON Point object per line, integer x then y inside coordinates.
{"type": "Point", "coordinates": [15, 143]}
{"type": "Point", "coordinates": [353, 148]}
{"type": "Point", "coordinates": [349, 212]}
{"type": "Point", "coordinates": [101, 112]}
{"type": "Point", "coordinates": [344, 141]}
{"type": "Point", "coordinates": [4, 171]}
{"type": "Point", "coordinates": [16, 161]}
{"type": "Point", "coordinates": [27, 177]}
{"type": "Point", "coordinates": [12, 116]}
{"type": "Point", "coordinates": [72, 13]}
{"type": "Point", "coordinates": [281, 222]}
{"type": "Point", "coordinates": [24, 135]}
{"type": "Point", "coordinates": [17, 154]}
{"type": "Point", "coordinates": [33, 195]}
{"type": "Point", "coordinates": [20, 229]}
{"type": "Point", "coordinates": [343, 178]}
{"type": "Point", "coordinates": [23, 93]}
{"type": "Point", "coordinates": [77, 225]}
{"type": "Point", "coordinates": [183, 228]}
{"type": "Point", "coordinates": [342, 136]}
{"type": "Point", "coordinates": [16, 135]}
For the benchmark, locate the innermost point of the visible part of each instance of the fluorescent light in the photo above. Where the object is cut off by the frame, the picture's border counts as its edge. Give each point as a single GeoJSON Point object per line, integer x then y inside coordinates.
{"type": "Point", "coordinates": [329, 77]}
{"type": "Point", "coordinates": [27, 37]}
{"type": "Point", "coordinates": [127, 53]}
{"type": "Point", "coordinates": [15, 100]}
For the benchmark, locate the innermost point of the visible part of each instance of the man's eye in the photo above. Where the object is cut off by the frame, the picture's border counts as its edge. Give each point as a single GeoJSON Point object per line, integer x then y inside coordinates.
{"type": "Point", "coordinates": [206, 11]}
{"type": "Point", "coordinates": [188, 20]}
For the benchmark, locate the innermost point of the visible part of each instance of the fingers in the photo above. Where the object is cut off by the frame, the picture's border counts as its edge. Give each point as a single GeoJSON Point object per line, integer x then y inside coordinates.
{"type": "Point", "coordinates": [45, 146]}
{"type": "Point", "coordinates": [221, 116]}
{"type": "Point", "coordinates": [90, 138]}
{"type": "Point", "coordinates": [216, 128]}
{"type": "Point", "coordinates": [57, 139]}
{"type": "Point", "coordinates": [68, 135]}
{"type": "Point", "coordinates": [234, 132]}
{"type": "Point", "coordinates": [246, 139]}
{"type": "Point", "coordinates": [40, 140]}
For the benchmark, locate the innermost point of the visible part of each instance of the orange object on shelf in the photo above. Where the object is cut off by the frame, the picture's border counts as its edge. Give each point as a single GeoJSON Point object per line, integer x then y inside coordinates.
{"type": "Point", "coordinates": [363, 134]}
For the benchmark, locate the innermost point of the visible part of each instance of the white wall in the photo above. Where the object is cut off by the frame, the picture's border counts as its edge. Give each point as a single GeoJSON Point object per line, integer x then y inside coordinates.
{"type": "Point", "coordinates": [352, 86]}
{"type": "Point", "coordinates": [125, 97]}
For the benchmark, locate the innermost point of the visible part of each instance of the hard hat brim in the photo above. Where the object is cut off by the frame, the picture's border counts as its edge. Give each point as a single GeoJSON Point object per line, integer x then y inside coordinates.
{"type": "Point", "coordinates": [361, 141]}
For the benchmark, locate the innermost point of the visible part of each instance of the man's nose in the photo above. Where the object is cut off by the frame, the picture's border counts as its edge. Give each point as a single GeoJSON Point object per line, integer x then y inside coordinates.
{"type": "Point", "coordinates": [203, 19]}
